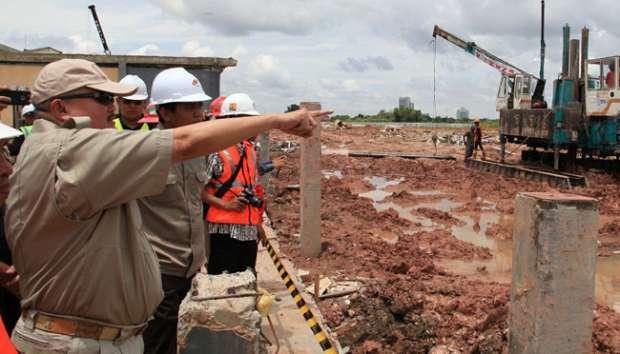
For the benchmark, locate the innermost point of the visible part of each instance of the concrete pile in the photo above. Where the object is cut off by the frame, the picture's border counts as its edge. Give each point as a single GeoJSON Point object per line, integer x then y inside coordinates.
{"type": "Point", "coordinates": [219, 313]}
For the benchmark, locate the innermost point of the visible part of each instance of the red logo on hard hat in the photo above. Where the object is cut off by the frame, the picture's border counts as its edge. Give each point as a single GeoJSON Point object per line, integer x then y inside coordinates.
{"type": "Point", "coordinates": [195, 82]}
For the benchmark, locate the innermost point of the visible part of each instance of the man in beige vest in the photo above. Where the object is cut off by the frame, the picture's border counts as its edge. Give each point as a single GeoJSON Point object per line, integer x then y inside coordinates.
{"type": "Point", "coordinates": [173, 219]}
{"type": "Point", "coordinates": [89, 278]}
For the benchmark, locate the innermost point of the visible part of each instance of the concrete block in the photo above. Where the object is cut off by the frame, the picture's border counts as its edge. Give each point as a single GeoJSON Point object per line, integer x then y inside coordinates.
{"type": "Point", "coordinates": [226, 325]}
{"type": "Point", "coordinates": [553, 269]}
{"type": "Point", "coordinates": [310, 181]}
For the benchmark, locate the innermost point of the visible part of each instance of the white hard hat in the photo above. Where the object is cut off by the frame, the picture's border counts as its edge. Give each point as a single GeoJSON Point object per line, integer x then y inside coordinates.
{"type": "Point", "coordinates": [141, 93]}
{"type": "Point", "coordinates": [238, 104]}
{"type": "Point", "coordinates": [177, 85]}
{"type": "Point", "coordinates": [7, 132]}
{"type": "Point", "coordinates": [28, 109]}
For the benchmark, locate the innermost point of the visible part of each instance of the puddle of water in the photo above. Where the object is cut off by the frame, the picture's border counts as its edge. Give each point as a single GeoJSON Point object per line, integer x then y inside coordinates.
{"type": "Point", "coordinates": [445, 205]}
{"type": "Point", "coordinates": [382, 182]}
{"type": "Point", "coordinates": [499, 268]}
{"type": "Point", "coordinates": [330, 173]}
{"type": "Point", "coordinates": [474, 231]}
{"type": "Point", "coordinates": [376, 195]}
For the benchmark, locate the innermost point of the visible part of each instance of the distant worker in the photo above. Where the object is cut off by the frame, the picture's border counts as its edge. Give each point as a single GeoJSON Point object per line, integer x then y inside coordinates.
{"type": "Point", "coordinates": [235, 211]}
{"type": "Point", "coordinates": [131, 108]}
{"type": "Point", "coordinates": [215, 108]}
{"type": "Point", "coordinates": [29, 115]}
{"type": "Point", "coordinates": [610, 79]}
{"type": "Point", "coordinates": [477, 133]}
{"type": "Point", "coordinates": [434, 139]}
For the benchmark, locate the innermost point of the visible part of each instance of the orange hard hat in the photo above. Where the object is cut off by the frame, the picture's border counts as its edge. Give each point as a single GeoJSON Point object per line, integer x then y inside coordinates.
{"type": "Point", "coordinates": [215, 108]}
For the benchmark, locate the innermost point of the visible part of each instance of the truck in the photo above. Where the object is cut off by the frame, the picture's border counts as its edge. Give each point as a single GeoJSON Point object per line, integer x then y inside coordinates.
{"type": "Point", "coordinates": [583, 121]}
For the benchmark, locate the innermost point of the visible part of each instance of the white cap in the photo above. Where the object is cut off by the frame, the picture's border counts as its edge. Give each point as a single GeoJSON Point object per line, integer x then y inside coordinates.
{"type": "Point", "coordinates": [7, 132]}
{"type": "Point", "coordinates": [28, 109]}
{"type": "Point", "coordinates": [176, 85]}
{"type": "Point", "coordinates": [238, 104]}
{"type": "Point", "coordinates": [141, 93]}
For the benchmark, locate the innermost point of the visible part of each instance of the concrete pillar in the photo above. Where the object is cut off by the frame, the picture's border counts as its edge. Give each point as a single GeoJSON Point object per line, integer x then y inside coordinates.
{"type": "Point", "coordinates": [265, 155]}
{"type": "Point", "coordinates": [218, 316]}
{"type": "Point", "coordinates": [310, 185]}
{"type": "Point", "coordinates": [553, 268]}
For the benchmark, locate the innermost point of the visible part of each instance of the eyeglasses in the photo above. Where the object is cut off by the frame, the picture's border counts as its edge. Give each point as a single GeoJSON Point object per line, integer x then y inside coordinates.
{"type": "Point", "coordinates": [103, 98]}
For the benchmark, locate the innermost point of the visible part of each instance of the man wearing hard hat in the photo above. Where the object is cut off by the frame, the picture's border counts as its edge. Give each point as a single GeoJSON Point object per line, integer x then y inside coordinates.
{"type": "Point", "coordinates": [29, 114]}
{"type": "Point", "coordinates": [131, 108]}
{"type": "Point", "coordinates": [235, 200]}
{"type": "Point", "coordinates": [173, 219]}
{"type": "Point", "coordinates": [89, 279]}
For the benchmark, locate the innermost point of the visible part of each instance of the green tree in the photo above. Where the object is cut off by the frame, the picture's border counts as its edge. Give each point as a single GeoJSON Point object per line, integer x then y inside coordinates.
{"type": "Point", "coordinates": [292, 108]}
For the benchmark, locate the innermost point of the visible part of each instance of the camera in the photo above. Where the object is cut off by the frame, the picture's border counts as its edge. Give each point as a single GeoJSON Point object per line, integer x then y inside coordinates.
{"type": "Point", "coordinates": [19, 97]}
{"type": "Point", "coordinates": [252, 199]}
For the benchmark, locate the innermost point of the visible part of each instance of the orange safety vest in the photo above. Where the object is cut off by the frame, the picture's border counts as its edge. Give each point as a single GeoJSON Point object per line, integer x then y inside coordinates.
{"type": "Point", "coordinates": [246, 177]}
{"type": "Point", "coordinates": [6, 347]}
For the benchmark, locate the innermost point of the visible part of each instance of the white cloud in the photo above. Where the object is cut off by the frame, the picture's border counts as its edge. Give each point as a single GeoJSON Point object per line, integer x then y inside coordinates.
{"type": "Point", "coordinates": [149, 49]}
{"type": "Point", "coordinates": [81, 45]}
{"type": "Point", "coordinates": [194, 49]}
{"type": "Point", "coordinates": [238, 52]}
{"type": "Point", "coordinates": [266, 70]}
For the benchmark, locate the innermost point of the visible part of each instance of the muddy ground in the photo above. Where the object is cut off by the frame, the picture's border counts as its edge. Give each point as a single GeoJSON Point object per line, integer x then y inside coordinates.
{"type": "Point", "coordinates": [431, 242]}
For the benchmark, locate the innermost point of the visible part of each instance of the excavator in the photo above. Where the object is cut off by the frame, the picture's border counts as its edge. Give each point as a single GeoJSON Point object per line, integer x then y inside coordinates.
{"type": "Point", "coordinates": [515, 88]}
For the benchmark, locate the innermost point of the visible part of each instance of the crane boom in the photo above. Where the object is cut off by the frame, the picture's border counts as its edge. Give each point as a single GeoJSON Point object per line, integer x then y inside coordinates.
{"type": "Point", "coordinates": [503, 66]}
{"type": "Point", "coordinates": [106, 49]}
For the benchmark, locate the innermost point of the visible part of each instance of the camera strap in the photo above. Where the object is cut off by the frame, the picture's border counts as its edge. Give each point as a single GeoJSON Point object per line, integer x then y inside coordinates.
{"type": "Point", "coordinates": [225, 187]}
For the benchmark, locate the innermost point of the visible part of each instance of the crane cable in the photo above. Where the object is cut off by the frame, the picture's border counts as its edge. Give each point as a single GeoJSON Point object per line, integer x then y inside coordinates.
{"type": "Point", "coordinates": [435, 78]}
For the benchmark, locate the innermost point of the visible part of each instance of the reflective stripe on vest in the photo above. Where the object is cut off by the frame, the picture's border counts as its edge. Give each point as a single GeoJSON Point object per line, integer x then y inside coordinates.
{"type": "Point", "coordinates": [246, 177]}
{"type": "Point", "coordinates": [26, 129]}
{"type": "Point", "coordinates": [119, 126]}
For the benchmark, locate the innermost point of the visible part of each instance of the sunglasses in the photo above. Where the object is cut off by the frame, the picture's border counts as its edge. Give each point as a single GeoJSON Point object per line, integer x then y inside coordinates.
{"type": "Point", "coordinates": [103, 98]}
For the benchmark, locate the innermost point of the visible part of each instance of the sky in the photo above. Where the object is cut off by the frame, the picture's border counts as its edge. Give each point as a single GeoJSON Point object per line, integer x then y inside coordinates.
{"type": "Point", "coordinates": [353, 56]}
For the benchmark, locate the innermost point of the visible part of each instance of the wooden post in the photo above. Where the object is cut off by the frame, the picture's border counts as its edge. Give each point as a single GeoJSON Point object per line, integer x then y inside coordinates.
{"type": "Point", "coordinates": [553, 268]}
{"type": "Point", "coordinates": [310, 182]}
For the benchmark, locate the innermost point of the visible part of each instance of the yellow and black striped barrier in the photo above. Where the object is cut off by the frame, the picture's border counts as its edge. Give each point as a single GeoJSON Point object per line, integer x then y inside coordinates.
{"type": "Point", "coordinates": [304, 309]}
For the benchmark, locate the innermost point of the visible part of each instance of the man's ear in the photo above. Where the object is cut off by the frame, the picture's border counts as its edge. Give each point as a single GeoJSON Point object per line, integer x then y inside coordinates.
{"type": "Point", "coordinates": [57, 108]}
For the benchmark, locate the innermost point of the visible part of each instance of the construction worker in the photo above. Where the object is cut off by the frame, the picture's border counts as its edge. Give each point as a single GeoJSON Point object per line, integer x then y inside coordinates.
{"type": "Point", "coordinates": [173, 220]}
{"type": "Point", "coordinates": [89, 278]}
{"type": "Point", "coordinates": [131, 108]}
{"type": "Point", "coordinates": [29, 114]}
{"type": "Point", "coordinates": [215, 108]}
{"type": "Point", "coordinates": [477, 134]}
{"type": "Point", "coordinates": [235, 202]}
{"type": "Point", "coordinates": [610, 78]}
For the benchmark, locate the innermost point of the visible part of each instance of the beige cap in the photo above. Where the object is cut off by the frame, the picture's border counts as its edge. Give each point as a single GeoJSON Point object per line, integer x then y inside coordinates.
{"type": "Point", "coordinates": [66, 75]}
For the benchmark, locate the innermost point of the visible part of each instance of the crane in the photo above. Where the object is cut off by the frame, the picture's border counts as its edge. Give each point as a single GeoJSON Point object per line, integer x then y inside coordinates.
{"type": "Point", "coordinates": [106, 49]}
{"type": "Point", "coordinates": [515, 86]}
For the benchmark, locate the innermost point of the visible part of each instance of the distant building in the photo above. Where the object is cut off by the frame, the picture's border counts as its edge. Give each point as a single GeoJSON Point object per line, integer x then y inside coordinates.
{"type": "Point", "coordinates": [405, 102]}
{"type": "Point", "coordinates": [462, 113]}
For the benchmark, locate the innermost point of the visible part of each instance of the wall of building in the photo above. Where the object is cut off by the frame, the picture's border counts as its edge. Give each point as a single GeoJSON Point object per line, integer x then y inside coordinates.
{"type": "Point", "coordinates": [23, 75]}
